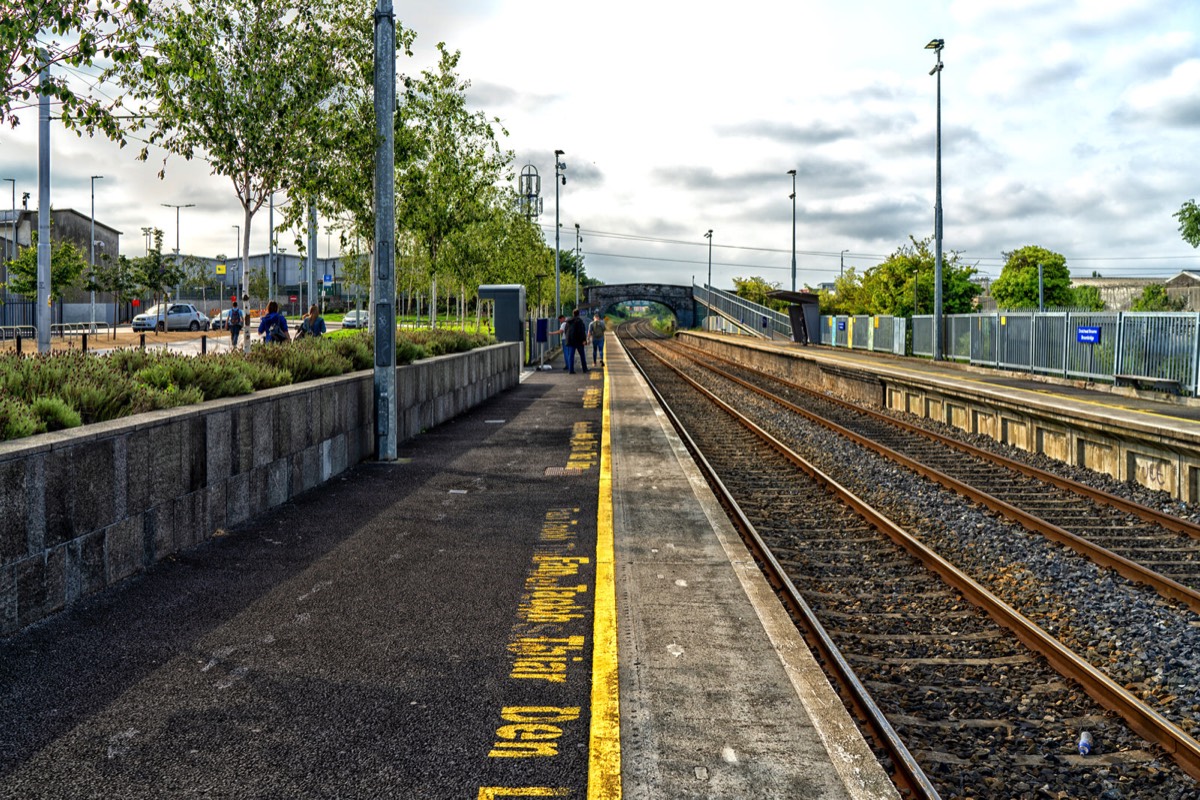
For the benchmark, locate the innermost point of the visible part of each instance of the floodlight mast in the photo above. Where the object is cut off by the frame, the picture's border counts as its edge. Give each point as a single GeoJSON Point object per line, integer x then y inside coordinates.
{"type": "Point", "coordinates": [936, 46]}
{"type": "Point", "coordinates": [559, 167]}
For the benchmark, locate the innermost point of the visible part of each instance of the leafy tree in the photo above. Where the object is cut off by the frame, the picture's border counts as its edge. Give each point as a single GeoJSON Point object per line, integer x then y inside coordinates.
{"type": "Point", "coordinates": [903, 284]}
{"type": "Point", "coordinates": [208, 92]}
{"type": "Point", "coordinates": [197, 274]}
{"type": "Point", "coordinates": [1087, 297]}
{"type": "Point", "coordinates": [1189, 222]}
{"type": "Point", "coordinates": [1155, 298]}
{"type": "Point", "coordinates": [1017, 286]}
{"type": "Point", "coordinates": [156, 273]}
{"type": "Point", "coordinates": [117, 278]}
{"type": "Point", "coordinates": [83, 31]}
{"type": "Point", "coordinates": [260, 286]}
{"type": "Point", "coordinates": [445, 185]}
{"type": "Point", "coordinates": [755, 290]}
{"type": "Point", "coordinates": [67, 263]}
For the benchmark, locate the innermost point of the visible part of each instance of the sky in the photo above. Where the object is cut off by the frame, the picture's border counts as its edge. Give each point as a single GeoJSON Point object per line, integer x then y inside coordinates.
{"type": "Point", "coordinates": [1069, 124]}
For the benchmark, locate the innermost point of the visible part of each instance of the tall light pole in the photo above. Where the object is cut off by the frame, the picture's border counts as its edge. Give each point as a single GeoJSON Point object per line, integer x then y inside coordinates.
{"type": "Point", "coordinates": [559, 166]}
{"type": "Point", "coordinates": [8, 256]}
{"type": "Point", "coordinates": [237, 284]}
{"type": "Point", "coordinates": [92, 251]}
{"type": "Point", "coordinates": [177, 207]}
{"type": "Point", "coordinates": [577, 240]}
{"type": "Point", "coordinates": [708, 286]}
{"type": "Point", "coordinates": [936, 46]}
{"type": "Point", "coordinates": [842, 263]}
{"type": "Point", "coordinates": [792, 172]}
{"type": "Point", "coordinates": [383, 315]}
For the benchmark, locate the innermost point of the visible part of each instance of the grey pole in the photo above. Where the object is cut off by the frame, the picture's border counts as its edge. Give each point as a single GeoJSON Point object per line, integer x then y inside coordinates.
{"type": "Point", "coordinates": [385, 232]}
{"type": "Point", "coordinates": [792, 172]}
{"type": "Point", "coordinates": [92, 250]}
{"type": "Point", "coordinates": [842, 262]}
{"type": "Point", "coordinates": [558, 176]}
{"type": "Point", "coordinates": [271, 265]}
{"type": "Point", "coordinates": [178, 258]}
{"type": "Point", "coordinates": [708, 286]}
{"type": "Point", "coordinates": [10, 252]}
{"type": "Point", "coordinates": [936, 45]}
{"type": "Point", "coordinates": [1041, 290]}
{"type": "Point", "coordinates": [43, 251]}
{"type": "Point", "coordinates": [577, 265]}
{"type": "Point", "coordinates": [312, 252]}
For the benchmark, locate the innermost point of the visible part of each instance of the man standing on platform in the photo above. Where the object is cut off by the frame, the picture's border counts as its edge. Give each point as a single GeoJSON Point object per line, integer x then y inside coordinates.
{"type": "Point", "coordinates": [576, 338]}
{"type": "Point", "coordinates": [596, 334]}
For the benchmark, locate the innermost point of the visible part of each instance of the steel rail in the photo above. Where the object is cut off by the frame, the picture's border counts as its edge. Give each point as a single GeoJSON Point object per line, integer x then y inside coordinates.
{"type": "Point", "coordinates": [1141, 718]}
{"type": "Point", "coordinates": [909, 776]}
{"type": "Point", "coordinates": [1166, 587]}
{"type": "Point", "coordinates": [1144, 512]}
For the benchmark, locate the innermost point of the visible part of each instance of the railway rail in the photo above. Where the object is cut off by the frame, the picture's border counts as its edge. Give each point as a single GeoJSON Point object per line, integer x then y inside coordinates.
{"type": "Point", "coordinates": [957, 705]}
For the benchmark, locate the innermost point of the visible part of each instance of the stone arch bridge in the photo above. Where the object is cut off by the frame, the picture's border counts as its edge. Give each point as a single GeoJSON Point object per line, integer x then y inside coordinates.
{"type": "Point", "coordinates": [677, 298]}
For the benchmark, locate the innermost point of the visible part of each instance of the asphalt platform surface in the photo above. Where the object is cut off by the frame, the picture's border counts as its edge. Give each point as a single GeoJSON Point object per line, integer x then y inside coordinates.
{"type": "Point", "coordinates": [412, 630]}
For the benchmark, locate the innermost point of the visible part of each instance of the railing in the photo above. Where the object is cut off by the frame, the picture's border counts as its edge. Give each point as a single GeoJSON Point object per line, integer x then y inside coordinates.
{"type": "Point", "coordinates": [14, 331]}
{"type": "Point", "coordinates": [746, 315]}
{"type": "Point", "coordinates": [78, 328]}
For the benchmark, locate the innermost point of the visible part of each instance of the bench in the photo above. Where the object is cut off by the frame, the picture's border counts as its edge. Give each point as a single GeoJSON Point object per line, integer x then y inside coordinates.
{"type": "Point", "coordinates": [1169, 385]}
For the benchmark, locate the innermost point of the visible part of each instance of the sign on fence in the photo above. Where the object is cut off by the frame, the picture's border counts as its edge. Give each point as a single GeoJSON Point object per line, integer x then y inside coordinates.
{"type": "Point", "coordinates": [1087, 334]}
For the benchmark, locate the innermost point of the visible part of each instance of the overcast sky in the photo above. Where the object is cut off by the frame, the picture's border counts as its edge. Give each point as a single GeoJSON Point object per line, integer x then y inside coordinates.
{"type": "Point", "coordinates": [1070, 124]}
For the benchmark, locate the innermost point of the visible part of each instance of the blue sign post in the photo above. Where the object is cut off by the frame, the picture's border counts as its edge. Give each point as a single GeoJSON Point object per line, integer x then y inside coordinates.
{"type": "Point", "coordinates": [1087, 334]}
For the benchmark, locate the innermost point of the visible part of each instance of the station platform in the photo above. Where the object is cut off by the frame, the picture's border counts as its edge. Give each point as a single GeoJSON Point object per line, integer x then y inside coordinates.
{"type": "Point", "coordinates": [541, 598]}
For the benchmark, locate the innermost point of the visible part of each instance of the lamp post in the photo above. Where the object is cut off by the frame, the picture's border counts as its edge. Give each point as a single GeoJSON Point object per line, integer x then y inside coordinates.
{"type": "Point", "coordinates": [936, 46]}
{"type": "Point", "coordinates": [92, 252]}
{"type": "Point", "coordinates": [559, 166]}
{"type": "Point", "coordinates": [708, 286]}
{"type": "Point", "coordinates": [792, 172]}
{"type": "Point", "coordinates": [177, 206]}
{"type": "Point", "coordinates": [842, 263]}
{"type": "Point", "coordinates": [577, 241]}
{"type": "Point", "coordinates": [240, 272]}
{"type": "Point", "coordinates": [9, 256]}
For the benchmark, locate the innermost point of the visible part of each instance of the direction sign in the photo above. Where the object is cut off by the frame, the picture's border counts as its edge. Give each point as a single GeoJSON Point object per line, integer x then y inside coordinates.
{"type": "Point", "coordinates": [328, 279]}
{"type": "Point", "coordinates": [1087, 334]}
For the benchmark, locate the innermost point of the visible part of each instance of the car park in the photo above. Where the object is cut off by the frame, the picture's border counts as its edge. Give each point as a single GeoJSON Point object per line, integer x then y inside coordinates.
{"type": "Point", "coordinates": [172, 316]}
{"type": "Point", "coordinates": [355, 319]}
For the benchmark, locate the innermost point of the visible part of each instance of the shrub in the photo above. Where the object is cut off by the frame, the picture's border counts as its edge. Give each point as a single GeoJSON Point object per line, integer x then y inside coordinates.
{"type": "Point", "coordinates": [54, 414]}
{"type": "Point", "coordinates": [16, 419]}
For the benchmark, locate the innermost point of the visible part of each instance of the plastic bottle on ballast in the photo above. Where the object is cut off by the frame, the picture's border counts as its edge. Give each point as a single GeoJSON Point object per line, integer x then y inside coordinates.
{"type": "Point", "coordinates": [1085, 743]}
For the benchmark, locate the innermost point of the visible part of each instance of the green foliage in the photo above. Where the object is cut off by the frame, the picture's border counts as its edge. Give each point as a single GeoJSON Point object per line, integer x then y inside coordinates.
{"type": "Point", "coordinates": [440, 342]}
{"type": "Point", "coordinates": [1017, 286]}
{"type": "Point", "coordinates": [755, 290]}
{"type": "Point", "coordinates": [407, 352]}
{"type": "Point", "coordinates": [54, 414]}
{"type": "Point", "coordinates": [905, 278]}
{"type": "Point", "coordinates": [1189, 222]}
{"type": "Point", "coordinates": [67, 263]}
{"type": "Point", "coordinates": [17, 419]}
{"type": "Point", "coordinates": [1087, 297]}
{"type": "Point", "coordinates": [1155, 298]}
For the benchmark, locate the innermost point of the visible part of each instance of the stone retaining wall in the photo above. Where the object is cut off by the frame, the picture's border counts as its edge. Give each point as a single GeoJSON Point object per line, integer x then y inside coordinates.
{"type": "Point", "coordinates": [83, 509]}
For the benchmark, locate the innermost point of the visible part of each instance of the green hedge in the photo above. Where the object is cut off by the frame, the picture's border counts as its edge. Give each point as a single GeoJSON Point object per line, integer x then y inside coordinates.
{"type": "Point", "coordinates": [64, 390]}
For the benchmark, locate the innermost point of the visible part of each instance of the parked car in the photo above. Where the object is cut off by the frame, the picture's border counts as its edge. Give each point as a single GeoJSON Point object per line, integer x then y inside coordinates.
{"type": "Point", "coordinates": [221, 321]}
{"type": "Point", "coordinates": [355, 319]}
{"type": "Point", "coordinates": [178, 317]}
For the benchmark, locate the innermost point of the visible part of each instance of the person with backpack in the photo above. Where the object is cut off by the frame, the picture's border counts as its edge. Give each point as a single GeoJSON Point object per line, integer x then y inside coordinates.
{"type": "Point", "coordinates": [235, 323]}
{"type": "Point", "coordinates": [273, 327]}
{"type": "Point", "coordinates": [575, 338]}
{"type": "Point", "coordinates": [596, 334]}
{"type": "Point", "coordinates": [313, 324]}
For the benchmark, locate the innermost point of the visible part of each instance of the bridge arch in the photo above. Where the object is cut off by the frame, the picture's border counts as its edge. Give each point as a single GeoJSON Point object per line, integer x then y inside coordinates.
{"type": "Point", "coordinates": [677, 298]}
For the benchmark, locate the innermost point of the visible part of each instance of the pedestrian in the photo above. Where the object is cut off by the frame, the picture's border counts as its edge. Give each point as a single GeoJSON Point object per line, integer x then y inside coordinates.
{"type": "Point", "coordinates": [561, 333]}
{"type": "Point", "coordinates": [313, 324]}
{"type": "Point", "coordinates": [235, 323]}
{"type": "Point", "coordinates": [596, 335]}
{"type": "Point", "coordinates": [576, 338]}
{"type": "Point", "coordinates": [273, 327]}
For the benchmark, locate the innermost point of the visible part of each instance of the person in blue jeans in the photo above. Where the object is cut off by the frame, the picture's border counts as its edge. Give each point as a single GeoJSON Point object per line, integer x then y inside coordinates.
{"type": "Point", "coordinates": [596, 334]}
{"type": "Point", "coordinates": [576, 338]}
{"type": "Point", "coordinates": [273, 327]}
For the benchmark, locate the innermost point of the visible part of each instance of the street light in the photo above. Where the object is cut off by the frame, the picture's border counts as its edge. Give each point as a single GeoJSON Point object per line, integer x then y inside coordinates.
{"type": "Point", "coordinates": [177, 259]}
{"type": "Point", "coordinates": [559, 166]}
{"type": "Point", "coordinates": [792, 172]}
{"type": "Point", "coordinates": [708, 287]}
{"type": "Point", "coordinates": [577, 241]}
{"type": "Point", "coordinates": [92, 251]}
{"type": "Point", "coordinates": [936, 46]}
{"type": "Point", "coordinates": [13, 240]}
{"type": "Point", "coordinates": [842, 263]}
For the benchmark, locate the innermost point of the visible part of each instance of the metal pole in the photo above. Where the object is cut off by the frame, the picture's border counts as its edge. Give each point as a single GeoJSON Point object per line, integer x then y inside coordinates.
{"type": "Point", "coordinates": [842, 263]}
{"type": "Point", "coordinates": [708, 286]}
{"type": "Point", "coordinates": [271, 265]}
{"type": "Point", "coordinates": [938, 44]}
{"type": "Point", "coordinates": [385, 232]}
{"type": "Point", "coordinates": [312, 252]}
{"type": "Point", "coordinates": [577, 265]}
{"type": "Point", "coordinates": [92, 252]}
{"type": "Point", "coordinates": [43, 251]}
{"type": "Point", "coordinates": [792, 172]}
{"type": "Point", "coordinates": [1041, 290]}
{"type": "Point", "coordinates": [558, 165]}
{"type": "Point", "coordinates": [10, 250]}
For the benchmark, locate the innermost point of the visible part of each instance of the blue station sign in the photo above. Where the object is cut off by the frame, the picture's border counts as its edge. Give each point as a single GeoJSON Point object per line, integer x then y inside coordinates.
{"type": "Point", "coordinates": [1087, 334]}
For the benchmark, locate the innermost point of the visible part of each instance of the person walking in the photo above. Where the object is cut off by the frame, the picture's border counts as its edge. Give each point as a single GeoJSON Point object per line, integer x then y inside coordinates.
{"type": "Point", "coordinates": [561, 333]}
{"type": "Point", "coordinates": [576, 338]}
{"type": "Point", "coordinates": [596, 334]}
{"type": "Point", "coordinates": [273, 327]}
{"type": "Point", "coordinates": [235, 324]}
{"type": "Point", "coordinates": [313, 324]}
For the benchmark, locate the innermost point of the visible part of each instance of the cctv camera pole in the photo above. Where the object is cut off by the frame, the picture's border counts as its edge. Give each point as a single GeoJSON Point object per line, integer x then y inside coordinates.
{"type": "Point", "coordinates": [385, 232]}
{"type": "Point", "coordinates": [43, 251]}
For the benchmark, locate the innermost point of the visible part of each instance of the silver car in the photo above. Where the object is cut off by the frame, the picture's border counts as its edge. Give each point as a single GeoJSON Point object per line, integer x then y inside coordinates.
{"type": "Point", "coordinates": [175, 316]}
{"type": "Point", "coordinates": [355, 319]}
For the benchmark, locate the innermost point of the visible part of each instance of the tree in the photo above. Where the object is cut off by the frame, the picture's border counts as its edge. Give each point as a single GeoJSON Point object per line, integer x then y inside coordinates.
{"type": "Point", "coordinates": [67, 263]}
{"type": "Point", "coordinates": [89, 30]}
{"type": "Point", "coordinates": [260, 286]}
{"type": "Point", "coordinates": [1189, 222]}
{"type": "Point", "coordinates": [1087, 297]}
{"type": "Point", "coordinates": [446, 184]}
{"type": "Point", "coordinates": [118, 278]}
{"type": "Point", "coordinates": [208, 92]}
{"type": "Point", "coordinates": [199, 275]}
{"type": "Point", "coordinates": [156, 274]}
{"type": "Point", "coordinates": [1017, 286]}
{"type": "Point", "coordinates": [1155, 298]}
{"type": "Point", "coordinates": [755, 290]}
{"type": "Point", "coordinates": [903, 284]}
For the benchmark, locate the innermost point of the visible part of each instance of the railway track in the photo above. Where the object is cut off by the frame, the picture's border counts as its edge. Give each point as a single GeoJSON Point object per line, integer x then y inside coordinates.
{"type": "Point", "coordinates": [957, 705]}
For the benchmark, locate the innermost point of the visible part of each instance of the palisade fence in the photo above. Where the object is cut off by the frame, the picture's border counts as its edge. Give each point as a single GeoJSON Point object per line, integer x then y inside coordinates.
{"type": "Point", "coordinates": [881, 334]}
{"type": "Point", "coordinates": [1105, 346]}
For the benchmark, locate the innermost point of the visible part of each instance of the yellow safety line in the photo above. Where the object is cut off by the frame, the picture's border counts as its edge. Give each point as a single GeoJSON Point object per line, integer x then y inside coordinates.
{"type": "Point", "coordinates": [604, 745]}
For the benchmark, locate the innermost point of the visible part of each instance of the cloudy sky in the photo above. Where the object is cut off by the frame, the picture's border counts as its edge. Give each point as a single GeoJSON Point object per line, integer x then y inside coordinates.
{"type": "Point", "coordinates": [1070, 124]}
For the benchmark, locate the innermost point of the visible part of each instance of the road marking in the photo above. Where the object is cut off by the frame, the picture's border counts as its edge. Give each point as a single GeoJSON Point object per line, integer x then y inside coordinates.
{"type": "Point", "coordinates": [604, 743]}
{"type": "Point", "coordinates": [492, 792]}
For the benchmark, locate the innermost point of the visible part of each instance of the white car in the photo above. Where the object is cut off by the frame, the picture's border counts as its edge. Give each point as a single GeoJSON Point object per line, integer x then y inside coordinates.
{"type": "Point", "coordinates": [355, 319]}
{"type": "Point", "coordinates": [177, 317]}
